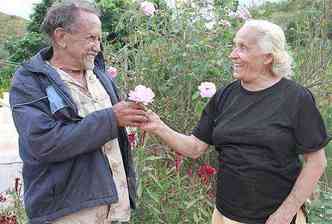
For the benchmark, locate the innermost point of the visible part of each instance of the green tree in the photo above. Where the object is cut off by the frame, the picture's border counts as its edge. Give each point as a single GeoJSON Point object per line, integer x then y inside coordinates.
{"type": "Point", "coordinates": [25, 47]}
{"type": "Point", "coordinates": [38, 15]}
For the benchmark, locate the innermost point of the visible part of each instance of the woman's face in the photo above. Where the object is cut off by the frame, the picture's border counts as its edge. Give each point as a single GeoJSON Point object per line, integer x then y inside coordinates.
{"type": "Point", "coordinates": [249, 61]}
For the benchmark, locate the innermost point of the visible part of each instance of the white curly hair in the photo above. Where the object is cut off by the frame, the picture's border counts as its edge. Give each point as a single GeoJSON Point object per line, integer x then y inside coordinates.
{"type": "Point", "coordinates": [272, 40]}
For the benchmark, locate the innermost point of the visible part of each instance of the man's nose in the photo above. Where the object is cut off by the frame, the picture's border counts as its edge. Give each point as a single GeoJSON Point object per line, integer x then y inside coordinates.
{"type": "Point", "coordinates": [96, 46]}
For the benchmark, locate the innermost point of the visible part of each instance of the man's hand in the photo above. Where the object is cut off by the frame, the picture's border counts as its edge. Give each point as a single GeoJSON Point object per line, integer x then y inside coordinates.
{"type": "Point", "coordinates": [129, 114]}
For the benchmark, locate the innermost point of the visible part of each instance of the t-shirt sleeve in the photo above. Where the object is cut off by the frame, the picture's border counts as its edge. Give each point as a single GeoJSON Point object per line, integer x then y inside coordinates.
{"type": "Point", "coordinates": [310, 131]}
{"type": "Point", "coordinates": [204, 128]}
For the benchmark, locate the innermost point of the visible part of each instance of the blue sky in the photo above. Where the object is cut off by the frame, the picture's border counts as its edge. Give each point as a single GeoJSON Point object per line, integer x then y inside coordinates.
{"type": "Point", "coordinates": [23, 8]}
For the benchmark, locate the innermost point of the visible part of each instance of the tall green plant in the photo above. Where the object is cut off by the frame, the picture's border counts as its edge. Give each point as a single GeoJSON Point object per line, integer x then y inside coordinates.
{"type": "Point", "coordinates": [38, 15]}
{"type": "Point", "coordinates": [172, 52]}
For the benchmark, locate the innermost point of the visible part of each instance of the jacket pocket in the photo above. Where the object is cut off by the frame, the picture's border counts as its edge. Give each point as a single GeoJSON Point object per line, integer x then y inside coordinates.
{"type": "Point", "coordinates": [59, 108]}
{"type": "Point", "coordinates": [55, 100]}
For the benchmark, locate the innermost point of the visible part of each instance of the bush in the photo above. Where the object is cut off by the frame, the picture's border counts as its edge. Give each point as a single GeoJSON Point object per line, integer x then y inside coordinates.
{"type": "Point", "coordinates": [165, 52]}
{"type": "Point", "coordinates": [24, 48]}
{"type": "Point", "coordinates": [172, 59]}
{"type": "Point", "coordinates": [172, 53]}
{"type": "Point", "coordinates": [6, 74]}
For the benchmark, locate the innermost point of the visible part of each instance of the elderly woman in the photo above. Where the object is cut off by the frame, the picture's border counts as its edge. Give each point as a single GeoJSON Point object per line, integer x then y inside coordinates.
{"type": "Point", "coordinates": [259, 124]}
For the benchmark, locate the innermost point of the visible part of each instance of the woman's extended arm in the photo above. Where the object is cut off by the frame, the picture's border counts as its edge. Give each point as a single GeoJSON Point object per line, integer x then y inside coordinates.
{"type": "Point", "coordinates": [186, 145]}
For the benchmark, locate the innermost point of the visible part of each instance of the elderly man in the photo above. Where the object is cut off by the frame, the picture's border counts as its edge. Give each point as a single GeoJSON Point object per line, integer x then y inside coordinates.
{"type": "Point", "coordinates": [77, 162]}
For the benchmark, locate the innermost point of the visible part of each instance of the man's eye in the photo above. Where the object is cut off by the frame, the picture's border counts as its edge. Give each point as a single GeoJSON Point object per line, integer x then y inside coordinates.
{"type": "Point", "coordinates": [93, 38]}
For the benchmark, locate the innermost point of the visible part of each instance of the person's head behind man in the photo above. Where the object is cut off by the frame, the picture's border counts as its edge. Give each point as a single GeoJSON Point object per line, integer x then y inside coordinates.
{"type": "Point", "coordinates": [74, 29]}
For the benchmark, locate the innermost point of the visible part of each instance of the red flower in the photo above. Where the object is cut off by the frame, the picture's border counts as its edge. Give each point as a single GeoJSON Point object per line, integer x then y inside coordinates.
{"type": "Point", "coordinates": [2, 198]}
{"type": "Point", "coordinates": [132, 138]}
{"type": "Point", "coordinates": [190, 172]}
{"type": "Point", "coordinates": [205, 172]}
{"type": "Point", "coordinates": [178, 161]}
{"type": "Point", "coordinates": [17, 185]}
{"type": "Point", "coordinates": [10, 219]}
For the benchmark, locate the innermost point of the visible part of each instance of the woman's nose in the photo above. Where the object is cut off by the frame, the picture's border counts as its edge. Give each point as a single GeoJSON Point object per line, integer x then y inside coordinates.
{"type": "Point", "coordinates": [233, 54]}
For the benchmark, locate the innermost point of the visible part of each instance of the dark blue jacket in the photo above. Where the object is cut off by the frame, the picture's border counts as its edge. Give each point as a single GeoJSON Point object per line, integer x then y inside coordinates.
{"type": "Point", "coordinates": [64, 169]}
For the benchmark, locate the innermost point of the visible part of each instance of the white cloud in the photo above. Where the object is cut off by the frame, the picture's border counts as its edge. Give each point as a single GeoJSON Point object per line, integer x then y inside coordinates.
{"type": "Point", "coordinates": [22, 8]}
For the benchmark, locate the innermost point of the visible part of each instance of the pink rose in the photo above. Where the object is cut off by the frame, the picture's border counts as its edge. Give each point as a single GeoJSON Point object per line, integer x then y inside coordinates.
{"type": "Point", "coordinates": [113, 72]}
{"type": "Point", "coordinates": [225, 23]}
{"type": "Point", "coordinates": [141, 94]}
{"type": "Point", "coordinates": [232, 14]}
{"type": "Point", "coordinates": [147, 8]}
{"type": "Point", "coordinates": [242, 13]}
{"type": "Point", "coordinates": [207, 89]}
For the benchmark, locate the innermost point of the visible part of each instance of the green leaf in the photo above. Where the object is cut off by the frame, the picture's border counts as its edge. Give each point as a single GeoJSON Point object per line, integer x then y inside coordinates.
{"type": "Point", "coordinates": [195, 96]}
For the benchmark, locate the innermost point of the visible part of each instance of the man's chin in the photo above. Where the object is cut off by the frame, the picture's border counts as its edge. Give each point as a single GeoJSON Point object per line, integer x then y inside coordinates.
{"type": "Point", "coordinates": [236, 75]}
{"type": "Point", "coordinates": [89, 65]}
{"type": "Point", "coordinates": [87, 68]}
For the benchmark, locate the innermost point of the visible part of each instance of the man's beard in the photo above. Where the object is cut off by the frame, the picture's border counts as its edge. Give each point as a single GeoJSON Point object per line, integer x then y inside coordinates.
{"type": "Point", "coordinates": [89, 62]}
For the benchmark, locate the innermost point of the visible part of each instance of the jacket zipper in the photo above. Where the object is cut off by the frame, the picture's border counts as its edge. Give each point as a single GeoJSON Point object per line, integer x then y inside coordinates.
{"type": "Point", "coordinates": [67, 100]}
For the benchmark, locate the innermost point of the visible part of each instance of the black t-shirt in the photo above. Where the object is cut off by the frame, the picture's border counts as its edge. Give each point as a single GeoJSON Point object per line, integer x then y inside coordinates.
{"type": "Point", "coordinates": [259, 136]}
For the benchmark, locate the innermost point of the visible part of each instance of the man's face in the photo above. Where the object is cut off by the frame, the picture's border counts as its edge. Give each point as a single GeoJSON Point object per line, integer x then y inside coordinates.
{"type": "Point", "coordinates": [83, 42]}
{"type": "Point", "coordinates": [247, 57]}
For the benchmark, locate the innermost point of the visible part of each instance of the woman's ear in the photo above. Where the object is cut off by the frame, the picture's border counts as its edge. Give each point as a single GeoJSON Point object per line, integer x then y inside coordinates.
{"type": "Point", "coordinates": [59, 37]}
{"type": "Point", "coordinates": [268, 59]}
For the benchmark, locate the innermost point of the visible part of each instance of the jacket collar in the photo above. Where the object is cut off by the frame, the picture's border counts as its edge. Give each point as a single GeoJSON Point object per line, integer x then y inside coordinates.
{"type": "Point", "coordinates": [37, 64]}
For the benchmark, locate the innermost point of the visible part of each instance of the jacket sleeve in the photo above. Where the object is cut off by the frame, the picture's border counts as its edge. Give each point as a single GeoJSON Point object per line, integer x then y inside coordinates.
{"type": "Point", "coordinates": [45, 139]}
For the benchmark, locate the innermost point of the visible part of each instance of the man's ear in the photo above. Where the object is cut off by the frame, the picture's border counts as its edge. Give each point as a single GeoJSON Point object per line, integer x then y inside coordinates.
{"type": "Point", "coordinates": [268, 59]}
{"type": "Point", "coordinates": [60, 37]}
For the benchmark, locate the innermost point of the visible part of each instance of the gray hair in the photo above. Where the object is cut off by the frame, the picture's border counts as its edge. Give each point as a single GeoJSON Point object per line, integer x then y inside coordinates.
{"type": "Point", "coordinates": [272, 40]}
{"type": "Point", "coordinates": [65, 14]}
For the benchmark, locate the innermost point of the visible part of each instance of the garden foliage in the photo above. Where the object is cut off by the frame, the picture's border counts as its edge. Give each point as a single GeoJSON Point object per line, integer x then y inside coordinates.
{"type": "Point", "coordinates": [173, 52]}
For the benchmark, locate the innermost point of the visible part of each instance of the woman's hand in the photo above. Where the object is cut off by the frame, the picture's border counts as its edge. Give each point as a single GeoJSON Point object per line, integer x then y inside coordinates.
{"type": "Point", "coordinates": [281, 216]}
{"type": "Point", "coordinates": [153, 124]}
{"type": "Point", "coordinates": [186, 145]}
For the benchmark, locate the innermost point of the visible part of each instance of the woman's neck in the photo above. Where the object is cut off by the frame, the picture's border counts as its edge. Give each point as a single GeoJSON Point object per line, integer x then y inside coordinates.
{"type": "Point", "coordinates": [261, 82]}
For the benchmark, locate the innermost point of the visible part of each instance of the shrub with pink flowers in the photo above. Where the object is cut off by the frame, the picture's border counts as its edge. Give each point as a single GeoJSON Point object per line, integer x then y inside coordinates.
{"type": "Point", "coordinates": [184, 62]}
{"type": "Point", "coordinates": [112, 72]}
{"type": "Point", "coordinates": [147, 8]}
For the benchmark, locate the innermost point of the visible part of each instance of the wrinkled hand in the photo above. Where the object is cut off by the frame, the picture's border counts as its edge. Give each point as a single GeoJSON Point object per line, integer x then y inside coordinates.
{"type": "Point", "coordinates": [129, 114]}
{"type": "Point", "coordinates": [153, 122]}
{"type": "Point", "coordinates": [281, 216]}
